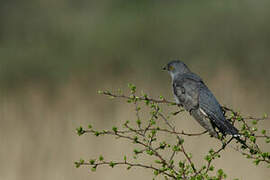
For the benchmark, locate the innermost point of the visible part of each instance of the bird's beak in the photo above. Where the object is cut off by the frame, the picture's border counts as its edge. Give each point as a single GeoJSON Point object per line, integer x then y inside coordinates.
{"type": "Point", "coordinates": [165, 68]}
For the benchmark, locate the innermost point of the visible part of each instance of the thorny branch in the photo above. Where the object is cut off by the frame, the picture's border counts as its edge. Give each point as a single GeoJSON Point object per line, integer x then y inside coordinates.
{"type": "Point", "coordinates": [147, 137]}
{"type": "Point", "coordinates": [130, 165]}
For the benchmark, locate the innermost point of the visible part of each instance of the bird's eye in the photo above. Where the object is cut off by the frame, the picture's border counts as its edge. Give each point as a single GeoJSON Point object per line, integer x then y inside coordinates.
{"type": "Point", "coordinates": [171, 68]}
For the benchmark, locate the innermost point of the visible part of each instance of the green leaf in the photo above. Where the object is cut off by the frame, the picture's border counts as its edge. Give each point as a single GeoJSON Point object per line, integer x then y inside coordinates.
{"type": "Point", "coordinates": [127, 122]}
{"type": "Point", "coordinates": [93, 169]}
{"type": "Point", "coordinates": [181, 141]}
{"type": "Point", "coordinates": [101, 158]}
{"type": "Point", "coordinates": [181, 164]}
{"type": "Point", "coordinates": [211, 168]}
{"type": "Point", "coordinates": [158, 161]}
{"type": "Point", "coordinates": [138, 122]}
{"type": "Point", "coordinates": [220, 173]}
{"type": "Point", "coordinates": [112, 164]}
{"type": "Point", "coordinates": [265, 155]}
{"type": "Point", "coordinates": [97, 133]}
{"type": "Point", "coordinates": [243, 127]}
{"type": "Point", "coordinates": [149, 152]}
{"type": "Point", "coordinates": [114, 129]}
{"type": "Point", "coordinates": [77, 164]}
{"type": "Point", "coordinates": [132, 87]}
{"type": "Point", "coordinates": [208, 158]}
{"type": "Point", "coordinates": [152, 122]}
{"type": "Point", "coordinates": [156, 172]}
{"type": "Point", "coordinates": [252, 139]}
{"type": "Point", "coordinates": [254, 122]}
{"type": "Point", "coordinates": [254, 129]}
{"type": "Point", "coordinates": [239, 118]}
{"type": "Point", "coordinates": [92, 161]}
{"type": "Point", "coordinates": [162, 145]}
{"type": "Point", "coordinates": [80, 131]}
{"type": "Point", "coordinates": [176, 148]}
{"type": "Point", "coordinates": [153, 132]}
{"type": "Point", "coordinates": [257, 161]}
{"type": "Point", "coordinates": [136, 151]}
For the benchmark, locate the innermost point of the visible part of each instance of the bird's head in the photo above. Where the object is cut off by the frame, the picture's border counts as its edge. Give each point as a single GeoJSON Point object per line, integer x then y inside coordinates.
{"type": "Point", "coordinates": [176, 67]}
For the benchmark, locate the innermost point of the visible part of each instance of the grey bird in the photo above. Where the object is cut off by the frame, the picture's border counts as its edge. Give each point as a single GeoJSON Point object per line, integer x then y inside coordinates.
{"type": "Point", "coordinates": [191, 93]}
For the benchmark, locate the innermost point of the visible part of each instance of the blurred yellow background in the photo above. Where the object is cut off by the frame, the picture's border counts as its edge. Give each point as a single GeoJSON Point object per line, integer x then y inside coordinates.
{"type": "Point", "coordinates": [56, 55]}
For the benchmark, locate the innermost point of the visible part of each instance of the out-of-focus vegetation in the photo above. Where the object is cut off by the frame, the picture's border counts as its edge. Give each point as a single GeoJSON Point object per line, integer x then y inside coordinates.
{"type": "Point", "coordinates": [147, 137]}
{"type": "Point", "coordinates": [52, 41]}
{"type": "Point", "coordinates": [56, 54]}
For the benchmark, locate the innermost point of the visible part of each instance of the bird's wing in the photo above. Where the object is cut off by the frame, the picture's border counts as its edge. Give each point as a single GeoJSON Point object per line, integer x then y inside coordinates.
{"type": "Point", "coordinates": [210, 106]}
{"type": "Point", "coordinates": [186, 90]}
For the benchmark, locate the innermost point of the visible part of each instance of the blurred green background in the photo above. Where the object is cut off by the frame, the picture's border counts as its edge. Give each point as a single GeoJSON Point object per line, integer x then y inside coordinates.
{"type": "Point", "coordinates": [55, 55]}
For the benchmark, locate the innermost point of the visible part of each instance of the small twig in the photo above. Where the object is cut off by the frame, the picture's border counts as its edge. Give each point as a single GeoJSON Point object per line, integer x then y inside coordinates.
{"type": "Point", "coordinates": [263, 159]}
{"type": "Point", "coordinates": [262, 136]}
{"type": "Point", "coordinates": [130, 165]}
{"type": "Point", "coordinates": [146, 140]}
{"type": "Point", "coordinates": [139, 98]}
{"type": "Point", "coordinates": [138, 131]}
{"type": "Point", "coordinates": [179, 140]}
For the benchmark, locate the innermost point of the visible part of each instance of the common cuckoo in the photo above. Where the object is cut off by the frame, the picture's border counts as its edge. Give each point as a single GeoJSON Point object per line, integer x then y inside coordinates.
{"type": "Point", "coordinates": [191, 93]}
